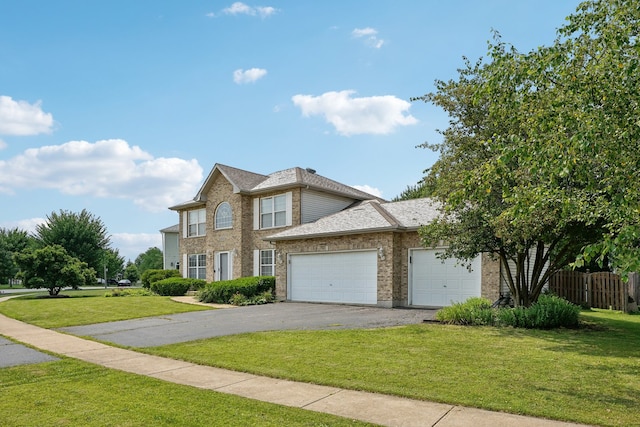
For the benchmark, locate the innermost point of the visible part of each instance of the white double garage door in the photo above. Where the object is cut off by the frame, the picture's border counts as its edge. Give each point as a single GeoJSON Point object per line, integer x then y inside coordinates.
{"type": "Point", "coordinates": [352, 278]}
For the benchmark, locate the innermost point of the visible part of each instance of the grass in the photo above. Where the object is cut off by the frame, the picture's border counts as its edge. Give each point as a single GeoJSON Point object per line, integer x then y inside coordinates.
{"type": "Point", "coordinates": [88, 307]}
{"type": "Point", "coordinates": [587, 375]}
{"type": "Point", "coordinates": [74, 393]}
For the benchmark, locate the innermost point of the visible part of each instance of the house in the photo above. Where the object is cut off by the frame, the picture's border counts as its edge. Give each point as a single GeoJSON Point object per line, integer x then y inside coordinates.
{"type": "Point", "coordinates": [170, 252]}
{"type": "Point", "coordinates": [222, 230]}
{"type": "Point", "coordinates": [323, 240]}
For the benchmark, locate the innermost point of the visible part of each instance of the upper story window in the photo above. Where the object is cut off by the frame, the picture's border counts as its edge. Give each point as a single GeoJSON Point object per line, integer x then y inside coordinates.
{"type": "Point", "coordinates": [224, 218]}
{"type": "Point", "coordinates": [273, 211]}
{"type": "Point", "coordinates": [196, 220]}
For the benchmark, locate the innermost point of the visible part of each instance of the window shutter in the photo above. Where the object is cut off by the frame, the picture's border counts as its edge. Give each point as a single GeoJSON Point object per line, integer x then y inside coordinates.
{"type": "Point", "coordinates": [289, 196]}
{"type": "Point", "coordinates": [256, 262]}
{"type": "Point", "coordinates": [256, 213]}
{"type": "Point", "coordinates": [185, 266]}
{"type": "Point", "coordinates": [185, 224]}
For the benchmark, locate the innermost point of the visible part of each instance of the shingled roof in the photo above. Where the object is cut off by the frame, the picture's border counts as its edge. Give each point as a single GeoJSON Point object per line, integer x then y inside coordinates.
{"type": "Point", "coordinates": [245, 182]}
{"type": "Point", "coordinates": [367, 217]}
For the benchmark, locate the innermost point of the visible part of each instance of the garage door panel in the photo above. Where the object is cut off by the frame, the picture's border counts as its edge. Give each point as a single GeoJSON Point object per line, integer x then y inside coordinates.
{"type": "Point", "coordinates": [437, 283]}
{"type": "Point", "coordinates": [344, 277]}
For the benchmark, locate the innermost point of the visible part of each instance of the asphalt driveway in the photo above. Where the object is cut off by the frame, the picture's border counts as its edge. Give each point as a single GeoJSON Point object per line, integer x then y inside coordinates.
{"type": "Point", "coordinates": [170, 329]}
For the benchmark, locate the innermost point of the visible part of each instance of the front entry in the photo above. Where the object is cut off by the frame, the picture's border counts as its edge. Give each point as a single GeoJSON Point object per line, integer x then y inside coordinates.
{"type": "Point", "coordinates": [223, 266]}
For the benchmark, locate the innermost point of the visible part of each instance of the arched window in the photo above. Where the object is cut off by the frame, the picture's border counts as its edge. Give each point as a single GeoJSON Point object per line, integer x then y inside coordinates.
{"type": "Point", "coordinates": [223, 216]}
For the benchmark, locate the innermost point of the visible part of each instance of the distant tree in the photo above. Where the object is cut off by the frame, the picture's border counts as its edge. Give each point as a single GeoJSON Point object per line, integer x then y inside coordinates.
{"type": "Point", "coordinates": [114, 263]}
{"type": "Point", "coordinates": [151, 259]}
{"type": "Point", "coordinates": [11, 242]}
{"type": "Point", "coordinates": [83, 236]}
{"type": "Point", "coordinates": [131, 272]}
{"type": "Point", "coordinates": [51, 267]}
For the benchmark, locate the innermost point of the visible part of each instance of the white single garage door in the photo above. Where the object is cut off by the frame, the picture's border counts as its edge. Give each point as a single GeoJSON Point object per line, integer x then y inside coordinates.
{"type": "Point", "coordinates": [437, 284]}
{"type": "Point", "coordinates": [340, 277]}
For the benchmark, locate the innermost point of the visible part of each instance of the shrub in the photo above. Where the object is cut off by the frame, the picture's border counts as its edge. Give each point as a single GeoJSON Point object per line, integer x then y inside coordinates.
{"type": "Point", "coordinates": [263, 298]}
{"type": "Point", "coordinates": [128, 293]}
{"type": "Point", "coordinates": [154, 275]}
{"type": "Point", "coordinates": [548, 312]}
{"type": "Point", "coordinates": [474, 311]}
{"type": "Point", "coordinates": [173, 286]}
{"type": "Point", "coordinates": [223, 291]}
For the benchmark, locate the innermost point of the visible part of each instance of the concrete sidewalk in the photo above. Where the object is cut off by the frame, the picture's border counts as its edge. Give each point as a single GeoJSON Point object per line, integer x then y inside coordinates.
{"type": "Point", "coordinates": [370, 407]}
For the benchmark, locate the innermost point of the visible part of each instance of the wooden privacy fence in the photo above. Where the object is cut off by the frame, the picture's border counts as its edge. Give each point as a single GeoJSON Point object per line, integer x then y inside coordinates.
{"type": "Point", "coordinates": [596, 290]}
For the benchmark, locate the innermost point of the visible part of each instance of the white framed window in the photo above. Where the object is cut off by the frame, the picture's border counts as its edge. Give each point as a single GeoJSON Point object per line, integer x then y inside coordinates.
{"type": "Point", "coordinates": [196, 220]}
{"type": "Point", "coordinates": [267, 262]}
{"type": "Point", "coordinates": [273, 211]}
{"type": "Point", "coordinates": [197, 266]}
{"type": "Point", "coordinates": [223, 217]}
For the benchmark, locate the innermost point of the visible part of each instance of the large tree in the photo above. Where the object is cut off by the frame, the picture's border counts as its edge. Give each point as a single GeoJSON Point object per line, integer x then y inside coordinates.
{"type": "Point", "coordinates": [537, 166]}
{"type": "Point", "coordinates": [83, 235]}
{"type": "Point", "coordinates": [51, 267]}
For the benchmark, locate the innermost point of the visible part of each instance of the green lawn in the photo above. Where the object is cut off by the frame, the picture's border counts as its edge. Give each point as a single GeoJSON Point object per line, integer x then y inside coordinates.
{"type": "Point", "coordinates": [74, 393]}
{"type": "Point", "coordinates": [589, 375]}
{"type": "Point", "coordinates": [87, 307]}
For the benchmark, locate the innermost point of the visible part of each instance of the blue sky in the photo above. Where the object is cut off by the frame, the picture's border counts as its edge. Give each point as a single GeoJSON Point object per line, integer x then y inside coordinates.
{"type": "Point", "coordinates": [123, 107]}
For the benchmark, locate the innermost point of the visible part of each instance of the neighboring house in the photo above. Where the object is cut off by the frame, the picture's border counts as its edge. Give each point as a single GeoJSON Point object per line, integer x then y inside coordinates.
{"type": "Point", "coordinates": [324, 241]}
{"type": "Point", "coordinates": [170, 251]}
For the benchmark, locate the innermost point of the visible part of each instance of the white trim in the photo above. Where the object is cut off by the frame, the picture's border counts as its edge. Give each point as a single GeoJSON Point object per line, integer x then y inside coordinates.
{"type": "Point", "coordinates": [256, 213]}
{"type": "Point", "coordinates": [185, 266]}
{"type": "Point", "coordinates": [256, 262]}
{"type": "Point", "coordinates": [185, 224]}
{"type": "Point", "coordinates": [289, 208]}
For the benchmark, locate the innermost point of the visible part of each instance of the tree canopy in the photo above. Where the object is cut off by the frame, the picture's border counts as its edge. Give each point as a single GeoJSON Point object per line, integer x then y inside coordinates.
{"type": "Point", "coordinates": [51, 267]}
{"type": "Point", "coordinates": [150, 260]}
{"type": "Point", "coordinates": [538, 164]}
{"type": "Point", "coordinates": [83, 236]}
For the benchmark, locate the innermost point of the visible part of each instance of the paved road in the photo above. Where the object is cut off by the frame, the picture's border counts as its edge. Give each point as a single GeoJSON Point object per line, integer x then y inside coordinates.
{"type": "Point", "coordinates": [169, 329]}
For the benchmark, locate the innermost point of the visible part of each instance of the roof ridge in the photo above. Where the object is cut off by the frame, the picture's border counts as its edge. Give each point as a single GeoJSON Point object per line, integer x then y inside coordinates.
{"type": "Point", "coordinates": [385, 214]}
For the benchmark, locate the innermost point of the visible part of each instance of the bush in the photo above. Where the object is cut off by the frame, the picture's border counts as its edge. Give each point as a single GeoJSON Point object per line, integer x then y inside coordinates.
{"type": "Point", "coordinates": [154, 275]}
{"type": "Point", "coordinates": [174, 286]}
{"type": "Point", "coordinates": [548, 312]}
{"type": "Point", "coordinates": [223, 292]}
{"type": "Point", "coordinates": [474, 311]}
{"type": "Point", "coordinates": [128, 293]}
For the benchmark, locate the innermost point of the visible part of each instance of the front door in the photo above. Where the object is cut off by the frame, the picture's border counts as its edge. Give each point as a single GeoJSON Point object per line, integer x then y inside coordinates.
{"type": "Point", "coordinates": [222, 270]}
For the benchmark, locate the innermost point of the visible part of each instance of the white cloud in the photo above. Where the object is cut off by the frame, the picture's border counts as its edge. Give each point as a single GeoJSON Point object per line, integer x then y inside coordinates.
{"type": "Point", "coordinates": [239, 8]}
{"type": "Point", "coordinates": [352, 116]}
{"type": "Point", "coordinates": [22, 118]}
{"type": "Point", "coordinates": [369, 35]}
{"type": "Point", "coordinates": [368, 189]}
{"type": "Point", "coordinates": [29, 225]}
{"type": "Point", "coordinates": [106, 169]}
{"type": "Point", "coordinates": [131, 245]}
{"type": "Point", "coordinates": [241, 76]}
